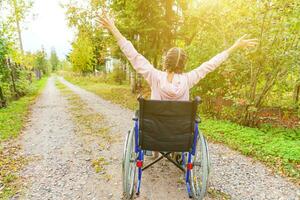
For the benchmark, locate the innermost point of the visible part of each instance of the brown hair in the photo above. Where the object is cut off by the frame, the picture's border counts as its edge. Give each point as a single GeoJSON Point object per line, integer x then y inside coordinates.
{"type": "Point", "coordinates": [175, 60]}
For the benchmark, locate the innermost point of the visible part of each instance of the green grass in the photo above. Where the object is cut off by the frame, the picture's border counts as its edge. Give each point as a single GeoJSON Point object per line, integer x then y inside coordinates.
{"type": "Point", "coordinates": [12, 117]}
{"type": "Point", "coordinates": [278, 148]}
{"type": "Point", "coordinates": [119, 94]}
{"type": "Point", "coordinates": [11, 162]}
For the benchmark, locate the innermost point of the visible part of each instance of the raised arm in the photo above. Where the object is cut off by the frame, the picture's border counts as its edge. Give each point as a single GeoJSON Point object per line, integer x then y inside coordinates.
{"type": "Point", "coordinates": [138, 61]}
{"type": "Point", "coordinates": [197, 74]}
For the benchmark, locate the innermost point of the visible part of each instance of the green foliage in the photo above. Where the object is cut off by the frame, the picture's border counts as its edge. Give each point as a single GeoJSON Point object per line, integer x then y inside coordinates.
{"type": "Point", "coordinates": [120, 94]}
{"type": "Point", "coordinates": [22, 82]}
{"type": "Point", "coordinates": [16, 75]}
{"type": "Point", "coordinates": [12, 118]}
{"type": "Point", "coordinates": [8, 71]}
{"type": "Point", "coordinates": [89, 37]}
{"type": "Point", "coordinates": [41, 62]}
{"type": "Point", "coordinates": [11, 162]}
{"type": "Point", "coordinates": [118, 75]}
{"type": "Point", "coordinates": [150, 25]}
{"type": "Point", "coordinates": [4, 48]}
{"type": "Point", "coordinates": [257, 78]}
{"type": "Point", "coordinates": [263, 77]}
{"type": "Point", "coordinates": [278, 148]}
{"type": "Point", "coordinates": [54, 61]}
{"type": "Point", "coordinates": [20, 8]}
{"type": "Point", "coordinates": [82, 55]}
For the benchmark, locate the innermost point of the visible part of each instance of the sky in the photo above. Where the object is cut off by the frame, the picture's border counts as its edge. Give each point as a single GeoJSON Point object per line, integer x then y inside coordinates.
{"type": "Point", "coordinates": [48, 28]}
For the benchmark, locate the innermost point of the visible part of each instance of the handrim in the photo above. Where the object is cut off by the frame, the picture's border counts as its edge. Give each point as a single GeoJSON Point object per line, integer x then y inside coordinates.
{"type": "Point", "coordinates": [199, 174]}
{"type": "Point", "coordinates": [129, 166]}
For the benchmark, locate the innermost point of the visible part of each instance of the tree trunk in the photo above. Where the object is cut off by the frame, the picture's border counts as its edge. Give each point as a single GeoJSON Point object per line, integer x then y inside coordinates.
{"type": "Point", "coordinates": [14, 89]}
{"type": "Point", "coordinates": [13, 79]}
{"type": "Point", "coordinates": [169, 17]}
{"type": "Point", "coordinates": [250, 118]}
{"type": "Point", "coordinates": [133, 81]}
{"type": "Point", "coordinates": [296, 94]}
{"type": "Point", "coordinates": [18, 26]}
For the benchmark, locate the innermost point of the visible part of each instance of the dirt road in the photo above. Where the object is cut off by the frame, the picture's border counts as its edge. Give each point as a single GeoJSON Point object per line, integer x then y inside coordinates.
{"type": "Point", "coordinates": [62, 165]}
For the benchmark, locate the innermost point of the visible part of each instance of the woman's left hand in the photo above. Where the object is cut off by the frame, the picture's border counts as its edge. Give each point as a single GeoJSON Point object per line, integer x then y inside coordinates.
{"type": "Point", "coordinates": [245, 43]}
{"type": "Point", "coordinates": [242, 43]}
{"type": "Point", "coordinates": [106, 21]}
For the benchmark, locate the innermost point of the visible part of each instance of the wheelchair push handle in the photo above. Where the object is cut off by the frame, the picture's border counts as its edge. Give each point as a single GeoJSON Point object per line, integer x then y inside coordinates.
{"type": "Point", "coordinates": [198, 100]}
{"type": "Point", "coordinates": [140, 97]}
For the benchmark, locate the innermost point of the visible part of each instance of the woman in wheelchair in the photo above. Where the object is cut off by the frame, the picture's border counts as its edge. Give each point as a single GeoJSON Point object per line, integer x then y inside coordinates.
{"type": "Point", "coordinates": [173, 83]}
{"type": "Point", "coordinates": [167, 123]}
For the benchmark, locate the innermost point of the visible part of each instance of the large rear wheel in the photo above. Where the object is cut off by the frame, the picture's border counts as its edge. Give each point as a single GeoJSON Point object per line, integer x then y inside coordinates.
{"type": "Point", "coordinates": [129, 165]}
{"type": "Point", "coordinates": [200, 173]}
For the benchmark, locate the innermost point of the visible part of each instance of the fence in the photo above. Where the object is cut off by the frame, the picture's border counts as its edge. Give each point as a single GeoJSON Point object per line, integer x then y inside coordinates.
{"type": "Point", "coordinates": [11, 76]}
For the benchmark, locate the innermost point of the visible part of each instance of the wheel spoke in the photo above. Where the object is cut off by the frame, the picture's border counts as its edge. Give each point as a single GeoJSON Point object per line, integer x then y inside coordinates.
{"type": "Point", "coordinates": [129, 167]}
{"type": "Point", "coordinates": [199, 172]}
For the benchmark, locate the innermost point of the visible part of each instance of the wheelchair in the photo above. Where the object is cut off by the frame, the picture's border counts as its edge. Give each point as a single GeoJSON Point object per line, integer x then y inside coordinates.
{"type": "Point", "coordinates": [167, 127]}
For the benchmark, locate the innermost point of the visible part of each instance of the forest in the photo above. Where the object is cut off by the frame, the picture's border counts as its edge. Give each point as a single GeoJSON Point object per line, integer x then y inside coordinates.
{"type": "Point", "coordinates": [255, 87]}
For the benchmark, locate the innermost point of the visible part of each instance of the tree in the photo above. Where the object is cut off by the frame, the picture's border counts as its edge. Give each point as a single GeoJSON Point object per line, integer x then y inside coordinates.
{"type": "Point", "coordinates": [4, 73]}
{"type": "Point", "coordinates": [88, 32]}
{"type": "Point", "coordinates": [54, 61]}
{"type": "Point", "coordinates": [82, 55]}
{"type": "Point", "coordinates": [150, 25]}
{"type": "Point", "coordinates": [20, 10]}
{"type": "Point", "coordinates": [251, 77]}
{"type": "Point", "coordinates": [40, 63]}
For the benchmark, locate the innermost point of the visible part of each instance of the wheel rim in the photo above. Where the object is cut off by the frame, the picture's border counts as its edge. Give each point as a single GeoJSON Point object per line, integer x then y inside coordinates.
{"type": "Point", "coordinates": [123, 161]}
{"type": "Point", "coordinates": [129, 165]}
{"type": "Point", "coordinates": [199, 173]}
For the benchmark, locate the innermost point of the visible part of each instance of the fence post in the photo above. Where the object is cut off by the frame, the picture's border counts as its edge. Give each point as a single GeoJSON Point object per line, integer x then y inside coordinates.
{"type": "Point", "coordinates": [2, 99]}
{"type": "Point", "coordinates": [12, 73]}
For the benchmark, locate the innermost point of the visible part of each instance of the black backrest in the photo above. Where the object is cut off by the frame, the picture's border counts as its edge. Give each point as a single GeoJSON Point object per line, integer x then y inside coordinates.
{"type": "Point", "coordinates": [166, 125]}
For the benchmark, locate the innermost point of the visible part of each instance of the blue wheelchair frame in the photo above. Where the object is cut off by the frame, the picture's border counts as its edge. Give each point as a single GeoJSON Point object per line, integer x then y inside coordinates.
{"type": "Point", "coordinates": [185, 167]}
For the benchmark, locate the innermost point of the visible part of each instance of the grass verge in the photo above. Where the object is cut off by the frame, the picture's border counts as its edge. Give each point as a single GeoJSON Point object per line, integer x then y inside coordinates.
{"type": "Point", "coordinates": [278, 148]}
{"type": "Point", "coordinates": [13, 116]}
{"type": "Point", "coordinates": [119, 94]}
{"type": "Point", "coordinates": [12, 119]}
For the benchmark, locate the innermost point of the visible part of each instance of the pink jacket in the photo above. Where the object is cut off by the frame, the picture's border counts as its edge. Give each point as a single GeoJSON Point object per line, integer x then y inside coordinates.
{"type": "Point", "coordinates": [161, 88]}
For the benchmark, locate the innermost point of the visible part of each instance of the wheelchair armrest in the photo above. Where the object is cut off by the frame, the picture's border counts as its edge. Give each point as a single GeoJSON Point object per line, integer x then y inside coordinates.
{"type": "Point", "coordinates": [198, 100]}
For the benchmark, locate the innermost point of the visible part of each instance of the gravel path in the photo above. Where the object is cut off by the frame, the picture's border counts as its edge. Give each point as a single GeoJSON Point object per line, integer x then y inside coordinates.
{"type": "Point", "coordinates": [62, 168]}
